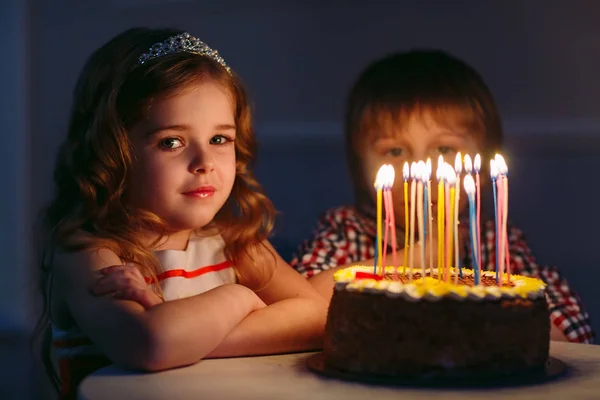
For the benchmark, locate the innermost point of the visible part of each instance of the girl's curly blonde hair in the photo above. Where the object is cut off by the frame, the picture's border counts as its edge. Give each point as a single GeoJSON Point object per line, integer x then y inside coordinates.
{"type": "Point", "coordinates": [91, 175]}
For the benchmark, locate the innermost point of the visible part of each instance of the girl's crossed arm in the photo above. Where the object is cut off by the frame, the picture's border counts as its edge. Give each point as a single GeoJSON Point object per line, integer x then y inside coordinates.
{"type": "Point", "coordinates": [170, 334]}
{"type": "Point", "coordinates": [294, 319]}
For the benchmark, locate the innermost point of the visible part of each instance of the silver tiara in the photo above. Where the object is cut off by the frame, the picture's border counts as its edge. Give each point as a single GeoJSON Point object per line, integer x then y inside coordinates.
{"type": "Point", "coordinates": [183, 42]}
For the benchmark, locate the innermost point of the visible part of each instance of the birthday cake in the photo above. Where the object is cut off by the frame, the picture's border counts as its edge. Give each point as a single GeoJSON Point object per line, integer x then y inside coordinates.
{"type": "Point", "coordinates": [392, 325]}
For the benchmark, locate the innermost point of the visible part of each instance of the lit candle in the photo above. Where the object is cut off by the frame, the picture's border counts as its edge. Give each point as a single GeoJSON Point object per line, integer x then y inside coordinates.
{"type": "Point", "coordinates": [405, 175]}
{"type": "Point", "coordinates": [503, 171]}
{"type": "Point", "coordinates": [386, 223]}
{"type": "Point", "coordinates": [458, 170]}
{"type": "Point", "coordinates": [470, 190]}
{"type": "Point", "coordinates": [420, 214]}
{"type": "Point", "coordinates": [413, 194]}
{"type": "Point", "coordinates": [430, 216]}
{"type": "Point", "coordinates": [378, 187]}
{"type": "Point", "coordinates": [440, 215]}
{"type": "Point", "coordinates": [494, 177]}
{"type": "Point", "coordinates": [468, 165]}
{"type": "Point", "coordinates": [477, 168]}
{"type": "Point", "coordinates": [499, 232]}
{"type": "Point", "coordinates": [390, 177]}
{"type": "Point", "coordinates": [450, 176]}
{"type": "Point", "coordinates": [425, 179]}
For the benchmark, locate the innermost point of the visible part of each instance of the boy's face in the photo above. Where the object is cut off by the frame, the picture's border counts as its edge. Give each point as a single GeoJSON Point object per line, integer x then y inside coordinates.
{"type": "Point", "coordinates": [421, 137]}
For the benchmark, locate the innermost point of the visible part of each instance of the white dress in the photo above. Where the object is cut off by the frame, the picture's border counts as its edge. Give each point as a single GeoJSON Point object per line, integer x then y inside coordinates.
{"type": "Point", "coordinates": [202, 266]}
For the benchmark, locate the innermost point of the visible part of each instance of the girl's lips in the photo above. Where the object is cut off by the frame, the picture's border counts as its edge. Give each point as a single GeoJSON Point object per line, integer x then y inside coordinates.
{"type": "Point", "coordinates": [201, 192]}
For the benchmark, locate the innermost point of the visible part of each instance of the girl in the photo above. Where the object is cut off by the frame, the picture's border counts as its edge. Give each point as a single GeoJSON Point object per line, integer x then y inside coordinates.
{"type": "Point", "coordinates": [411, 106]}
{"type": "Point", "coordinates": [155, 201]}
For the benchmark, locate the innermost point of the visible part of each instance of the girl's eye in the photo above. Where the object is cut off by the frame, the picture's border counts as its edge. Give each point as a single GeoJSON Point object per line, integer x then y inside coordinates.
{"type": "Point", "coordinates": [395, 152]}
{"type": "Point", "coordinates": [170, 144]}
{"type": "Point", "coordinates": [220, 139]}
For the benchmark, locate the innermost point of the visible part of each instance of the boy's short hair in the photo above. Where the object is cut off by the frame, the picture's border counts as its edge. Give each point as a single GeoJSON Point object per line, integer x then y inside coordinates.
{"type": "Point", "coordinates": [395, 87]}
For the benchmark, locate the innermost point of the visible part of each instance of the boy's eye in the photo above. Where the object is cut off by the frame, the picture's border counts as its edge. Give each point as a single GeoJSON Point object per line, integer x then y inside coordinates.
{"type": "Point", "coordinates": [445, 149]}
{"type": "Point", "coordinates": [220, 139]}
{"type": "Point", "coordinates": [170, 143]}
{"type": "Point", "coordinates": [395, 152]}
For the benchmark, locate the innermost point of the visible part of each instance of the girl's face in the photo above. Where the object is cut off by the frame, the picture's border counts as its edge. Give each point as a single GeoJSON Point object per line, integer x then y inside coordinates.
{"type": "Point", "coordinates": [422, 137]}
{"type": "Point", "coordinates": [184, 166]}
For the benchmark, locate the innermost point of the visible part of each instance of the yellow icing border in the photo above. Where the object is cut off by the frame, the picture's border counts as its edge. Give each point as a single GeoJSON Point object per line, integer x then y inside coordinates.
{"type": "Point", "coordinates": [433, 289]}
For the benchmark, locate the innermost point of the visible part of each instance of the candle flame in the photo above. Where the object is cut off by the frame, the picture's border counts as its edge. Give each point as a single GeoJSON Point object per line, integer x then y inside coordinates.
{"type": "Point", "coordinates": [440, 161]}
{"type": "Point", "coordinates": [477, 163]}
{"type": "Point", "coordinates": [502, 167]}
{"type": "Point", "coordinates": [458, 163]}
{"type": "Point", "coordinates": [391, 176]}
{"type": "Point", "coordinates": [418, 171]}
{"type": "Point", "coordinates": [449, 174]}
{"type": "Point", "coordinates": [493, 170]}
{"type": "Point", "coordinates": [413, 172]}
{"type": "Point", "coordinates": [428, 163]}
{"type": "Point", "coordinates": [380, 178]}
{"type": "Point", "coordinates": [422, 171]}
{"type": "Point", "coordinates": [469, 184]}
{"type": "Point", "coordinates": [468, 164]}
{"type": "Point", "coordinates": [406, 171]}
{"type": "Point", "coordinates": [425, 175]}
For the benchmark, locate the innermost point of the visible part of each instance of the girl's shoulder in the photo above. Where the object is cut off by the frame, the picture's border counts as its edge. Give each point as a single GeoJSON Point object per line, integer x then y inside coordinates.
{"type": "Point", "coordinates": [256, 265]}
{"type": "Point", "coordinates": [70, 268]}
{"type": "Point", "coordinates": [82, 251]}
{"type": "Point", "coordinates": [72, 273]}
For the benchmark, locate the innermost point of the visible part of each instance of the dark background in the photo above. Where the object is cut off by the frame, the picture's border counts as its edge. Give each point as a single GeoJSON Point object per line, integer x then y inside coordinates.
{"type": "Point", "coordinates": [541, 59]}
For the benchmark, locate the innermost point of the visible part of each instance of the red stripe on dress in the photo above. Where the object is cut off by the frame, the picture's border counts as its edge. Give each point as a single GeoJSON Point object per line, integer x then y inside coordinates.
{"type": "Point", "coordinates": [190, 274]}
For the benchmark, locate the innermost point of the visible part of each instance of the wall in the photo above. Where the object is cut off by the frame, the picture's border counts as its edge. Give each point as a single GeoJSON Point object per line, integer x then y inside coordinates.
{"type": "Point", "coordinates": [15, 164]}
{"type": "Point", "coordinates": [15, 280]}
{"type": "Point", "coordinates": [540, 59]}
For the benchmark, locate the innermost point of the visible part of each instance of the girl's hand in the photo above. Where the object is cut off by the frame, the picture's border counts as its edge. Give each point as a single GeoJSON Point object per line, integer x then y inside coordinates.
{"type": "Point", "coordinates": [127, 283]}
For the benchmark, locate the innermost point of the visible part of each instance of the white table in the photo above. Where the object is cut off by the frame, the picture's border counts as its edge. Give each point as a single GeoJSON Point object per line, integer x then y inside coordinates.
{"type": "Point", "coordinates": [285, 377]}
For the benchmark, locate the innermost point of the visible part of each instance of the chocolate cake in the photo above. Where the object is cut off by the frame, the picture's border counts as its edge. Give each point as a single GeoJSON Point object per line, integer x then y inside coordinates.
{"type": "Point", "coordinates": [393, 325]}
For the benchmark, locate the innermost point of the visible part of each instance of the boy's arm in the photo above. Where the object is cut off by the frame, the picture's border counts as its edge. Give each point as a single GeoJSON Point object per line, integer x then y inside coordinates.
{"type": "Point", "coordinates": [337, 242]}
{"type": "Point", "coordinates": [323, 281]}
{"type": "Point", "coordinates": [161, 337]}
{"type": "Point", "coordinates": [340, 241]}
{"type": "Point", "coordinates": [569, 319]}
{"type": "Point", "coordinates": [294, 319]}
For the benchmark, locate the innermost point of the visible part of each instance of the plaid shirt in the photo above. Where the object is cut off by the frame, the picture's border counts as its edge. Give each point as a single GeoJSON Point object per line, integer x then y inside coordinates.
{"type": "Point", "coordinates": [344, 236]}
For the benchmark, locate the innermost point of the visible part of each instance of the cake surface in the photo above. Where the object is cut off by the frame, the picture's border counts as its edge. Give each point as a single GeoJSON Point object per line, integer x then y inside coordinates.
{"type": "Point", "coordinates": [398, 326]}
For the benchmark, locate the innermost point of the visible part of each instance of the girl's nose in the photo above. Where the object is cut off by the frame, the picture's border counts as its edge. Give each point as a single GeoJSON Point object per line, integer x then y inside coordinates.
{"type": "Point", "coordinates": [201, 162]}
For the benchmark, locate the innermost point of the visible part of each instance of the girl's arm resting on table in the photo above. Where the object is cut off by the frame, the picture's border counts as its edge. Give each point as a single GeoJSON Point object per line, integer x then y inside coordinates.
{"type": "Point", "coordinates": [294, 319]}
{"type": "Point", "coordinates": [286, 326]}
{"type": "Point", "coordinates": [171, 334]}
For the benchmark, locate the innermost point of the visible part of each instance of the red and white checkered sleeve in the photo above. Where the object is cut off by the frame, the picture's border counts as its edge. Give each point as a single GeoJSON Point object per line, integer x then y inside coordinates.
{"type": "Point", "coordinates": [566, 308]}
{"type": "Point", "coordinates": [337, 240]}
